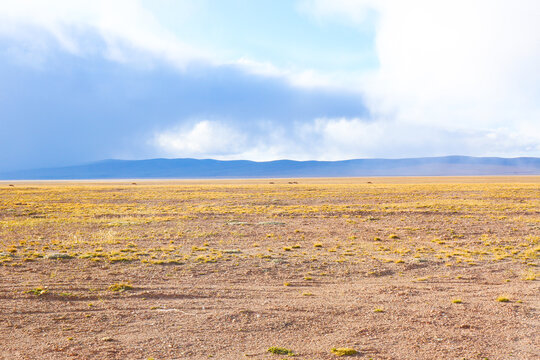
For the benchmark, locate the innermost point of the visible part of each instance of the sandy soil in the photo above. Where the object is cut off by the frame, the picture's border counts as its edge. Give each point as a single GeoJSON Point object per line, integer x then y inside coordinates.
{"type": "Point", "coordinates": [220, 271]}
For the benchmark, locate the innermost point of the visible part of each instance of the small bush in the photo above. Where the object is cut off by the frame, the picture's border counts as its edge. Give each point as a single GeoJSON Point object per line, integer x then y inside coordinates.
{"type": "Point", "coordinates": [38, 291]}
{"type": "Point", "coordinates": [120, 287]}
{"type": "Point", "coordinates": [344, 351]}
{"type": "Point", "coordinates": [280, 351]}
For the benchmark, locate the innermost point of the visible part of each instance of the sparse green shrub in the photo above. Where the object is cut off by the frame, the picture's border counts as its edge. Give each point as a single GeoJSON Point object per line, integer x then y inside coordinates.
{"type": "Point", "coordinates": [37, 291]}
{"type": "Point", "coordinates": [120, 287]}
{"type": "Point", "coordinates": [280, 351]}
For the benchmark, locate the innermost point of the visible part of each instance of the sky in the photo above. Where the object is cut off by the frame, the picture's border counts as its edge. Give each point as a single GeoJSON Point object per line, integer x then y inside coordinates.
{"type": "Point", "coordinates": [83, 81]}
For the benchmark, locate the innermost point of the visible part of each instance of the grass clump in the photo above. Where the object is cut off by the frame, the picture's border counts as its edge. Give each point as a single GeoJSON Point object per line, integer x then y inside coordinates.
{"type": "Point", "coordinates": [344, 351]}
{"type": "Point", "coordinates": [530, 276]}
{"type": "Point", "coordinates": [37, 291]}
{"type": "Point", "coordinates": [55, 256]}
{"type": "Point", "coordinates": [503, 299]}
{"type": "Point", "coordinates": [457, 301]}
{"type": "Point", "coordinates": [280, 351]}
{"type": "Point", "coordinates": [120, 287]}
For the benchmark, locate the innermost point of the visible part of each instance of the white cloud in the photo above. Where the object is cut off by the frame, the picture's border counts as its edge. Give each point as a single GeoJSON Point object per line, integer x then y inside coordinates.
{"type": "Point", "coordinates": [343, 138]}
{"type": "Point", "coordinates": [461, 66]}
{"type": "Point", "coordinates": [305, 78]}
{"type": "Point", "coordinates": [337, 139]}
{"type": "Point", "coordinates": [121, 24]}
{"type": "Point", "coordinates": [204, 138]}
{"type": "Point", "coordinates": [218, 140]}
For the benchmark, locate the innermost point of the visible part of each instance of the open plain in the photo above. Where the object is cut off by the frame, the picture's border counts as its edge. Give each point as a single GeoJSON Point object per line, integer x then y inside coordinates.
{"type": "Point", "coordinates": [394, 268]}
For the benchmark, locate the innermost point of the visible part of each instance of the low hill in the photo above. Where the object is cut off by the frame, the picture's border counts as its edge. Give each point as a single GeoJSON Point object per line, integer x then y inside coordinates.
{"type": "Point", "coordinates": [194, 168]}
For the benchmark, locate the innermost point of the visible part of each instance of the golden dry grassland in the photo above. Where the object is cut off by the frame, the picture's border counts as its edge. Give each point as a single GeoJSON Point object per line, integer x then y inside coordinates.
{"type": "Point", "coordinates": [460, 224]}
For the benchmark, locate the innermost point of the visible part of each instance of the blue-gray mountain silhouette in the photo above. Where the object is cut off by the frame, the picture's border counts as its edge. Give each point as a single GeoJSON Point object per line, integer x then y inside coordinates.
{"type": "Point", "coordinates": [208, 168]}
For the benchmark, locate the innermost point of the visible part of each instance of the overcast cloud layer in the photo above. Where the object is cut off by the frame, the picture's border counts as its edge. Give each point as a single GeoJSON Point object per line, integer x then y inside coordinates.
{"type": "Point", "coordinates": [335, 79]}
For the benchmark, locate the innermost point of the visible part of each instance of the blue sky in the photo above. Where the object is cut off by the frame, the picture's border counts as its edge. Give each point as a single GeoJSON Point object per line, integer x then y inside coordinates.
{"type": "Point", "coordinates": [263, 80]}
{"type": "Point", "coordinates": [275, 31]}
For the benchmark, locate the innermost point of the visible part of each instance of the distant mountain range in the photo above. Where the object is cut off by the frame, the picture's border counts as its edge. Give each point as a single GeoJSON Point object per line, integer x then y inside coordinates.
{"type": "Point", "coordinates": [217, 169]}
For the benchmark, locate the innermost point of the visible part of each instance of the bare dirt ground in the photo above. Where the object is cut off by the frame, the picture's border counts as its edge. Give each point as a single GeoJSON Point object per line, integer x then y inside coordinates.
{"type": "Point", "coordinates": [395, 268]}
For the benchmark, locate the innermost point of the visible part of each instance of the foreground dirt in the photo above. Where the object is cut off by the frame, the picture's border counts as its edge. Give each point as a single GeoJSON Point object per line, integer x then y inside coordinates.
{"type": "Point", "coordinates": [398, 270]}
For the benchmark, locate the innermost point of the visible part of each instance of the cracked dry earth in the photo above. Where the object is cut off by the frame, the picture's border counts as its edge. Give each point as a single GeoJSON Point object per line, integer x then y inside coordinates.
{"type": "Point", "coordinates": [393, 268]}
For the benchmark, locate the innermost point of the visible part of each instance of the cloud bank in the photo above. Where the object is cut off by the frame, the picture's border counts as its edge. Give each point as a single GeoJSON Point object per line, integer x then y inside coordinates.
{"type": "Point", "coordinates": [75, 109]}
{"type": "Point", "coordinates": [84, 82]}
{"type": "Point", "coordinates": [464, 67]}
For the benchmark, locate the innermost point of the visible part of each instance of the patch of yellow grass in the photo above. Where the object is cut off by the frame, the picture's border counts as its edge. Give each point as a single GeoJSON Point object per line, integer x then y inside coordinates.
{"type": "Point", "coordinates": [344, 351]}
